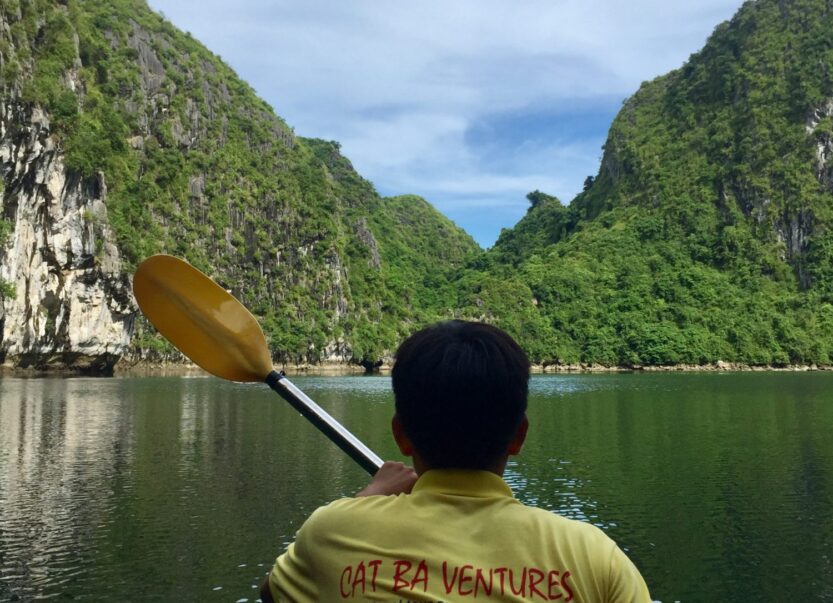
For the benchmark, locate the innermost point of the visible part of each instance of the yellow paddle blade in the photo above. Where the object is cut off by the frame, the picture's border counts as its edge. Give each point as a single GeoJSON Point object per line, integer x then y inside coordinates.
{"type": "Point", "coordinates": [200, 318]}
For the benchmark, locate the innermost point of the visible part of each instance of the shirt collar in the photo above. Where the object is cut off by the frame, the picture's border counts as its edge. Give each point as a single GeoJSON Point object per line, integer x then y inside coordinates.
{"type": "Point", "coordinates": [463, 482]}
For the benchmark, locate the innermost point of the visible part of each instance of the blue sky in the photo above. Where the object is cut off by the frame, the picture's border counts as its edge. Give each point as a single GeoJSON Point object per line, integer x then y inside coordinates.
{"type": "Point", "coordinates": [471, 103]}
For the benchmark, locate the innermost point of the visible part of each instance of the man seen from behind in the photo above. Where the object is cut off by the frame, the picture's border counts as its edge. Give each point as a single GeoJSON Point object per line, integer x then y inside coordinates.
{"type": "Point", "coordinates": [450, 529]}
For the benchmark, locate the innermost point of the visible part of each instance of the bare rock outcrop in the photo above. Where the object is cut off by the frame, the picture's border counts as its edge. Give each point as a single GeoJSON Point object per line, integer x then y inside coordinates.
{"type": "Point", "coordinates": [68, 303]}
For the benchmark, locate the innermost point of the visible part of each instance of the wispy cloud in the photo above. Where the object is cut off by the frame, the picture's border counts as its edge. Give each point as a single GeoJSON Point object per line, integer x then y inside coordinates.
{"type": "Point", "coordinates": [471, 103]}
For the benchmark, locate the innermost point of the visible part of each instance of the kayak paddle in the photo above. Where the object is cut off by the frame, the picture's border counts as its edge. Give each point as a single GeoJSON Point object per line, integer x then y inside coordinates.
{"type": "Point", "coordinates": [214, 330]}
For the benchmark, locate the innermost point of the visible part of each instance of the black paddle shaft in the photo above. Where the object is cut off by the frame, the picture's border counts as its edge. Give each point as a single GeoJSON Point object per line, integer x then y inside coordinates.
{"type": "Point", "coordinates": [331, 428]}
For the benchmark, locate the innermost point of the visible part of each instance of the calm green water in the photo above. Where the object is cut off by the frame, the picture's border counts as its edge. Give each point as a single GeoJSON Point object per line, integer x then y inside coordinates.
{"type": "Point", "coordinates": [719, 486]}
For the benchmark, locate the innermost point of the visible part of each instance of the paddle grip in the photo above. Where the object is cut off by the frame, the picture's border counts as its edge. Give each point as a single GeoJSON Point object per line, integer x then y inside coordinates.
{"type": "Point", "coordinates": [325, 423]}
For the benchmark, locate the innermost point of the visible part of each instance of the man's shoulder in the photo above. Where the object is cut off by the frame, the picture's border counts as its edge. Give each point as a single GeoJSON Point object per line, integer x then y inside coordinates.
{"type": "Point", "coordinates": [575, 530]}
{"type": "Point", "coordinates": [361, 504]}
{"type": "Point", "coordinates": [370, 514]}
{"type": "Point", "coordinates": [351, 510]}
{"type": "Point", "coordinates": [370, 505]}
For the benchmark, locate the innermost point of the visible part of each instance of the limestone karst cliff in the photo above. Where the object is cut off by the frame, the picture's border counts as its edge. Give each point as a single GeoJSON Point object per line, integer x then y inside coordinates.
{"type": "Point", "coordinates": [707, 233]}
{"type": "Point", "coordinates": [68, 300]}
{"type": "Point", "coordinates": [705, 237]}
{"type": "Point", "coordinates": [123, 137]}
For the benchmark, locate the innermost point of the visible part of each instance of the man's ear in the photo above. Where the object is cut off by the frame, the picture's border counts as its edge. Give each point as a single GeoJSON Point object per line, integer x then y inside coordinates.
{"type": "Point", "coordinates": [518, 439]}
{"type": "Point", "coordinates": [401, 438]}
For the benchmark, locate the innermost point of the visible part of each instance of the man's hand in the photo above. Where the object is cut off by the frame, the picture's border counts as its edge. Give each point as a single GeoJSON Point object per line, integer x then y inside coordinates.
{"type": "Point", "coordinates": [392, 478]}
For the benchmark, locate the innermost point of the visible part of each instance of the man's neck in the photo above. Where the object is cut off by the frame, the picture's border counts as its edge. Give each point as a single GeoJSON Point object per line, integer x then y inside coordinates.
{"type": "Point", "coordinates": [498, 468]}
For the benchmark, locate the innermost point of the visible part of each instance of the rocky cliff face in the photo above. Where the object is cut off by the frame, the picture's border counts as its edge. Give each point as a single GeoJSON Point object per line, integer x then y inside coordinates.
{"type": "Point", "coordinates": [71, 305]}
{"type": "Point", "coordinates": [820, 127]}
{"type": "Point", "coordinates": [707, 234]}
{"type": "Point", "coordinates": [121, 137]}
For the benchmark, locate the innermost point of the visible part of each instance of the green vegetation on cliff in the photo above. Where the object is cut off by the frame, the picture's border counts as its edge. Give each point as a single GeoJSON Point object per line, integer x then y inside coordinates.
{"type": "Point", "coordinates": [707, 233]}
{"type": "Point", "coordinates": [197, 166]}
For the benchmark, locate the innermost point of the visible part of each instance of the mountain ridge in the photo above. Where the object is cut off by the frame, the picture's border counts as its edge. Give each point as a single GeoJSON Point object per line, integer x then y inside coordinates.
{"type": "Point", "coordinates": [705, 237]}
{"type": "Point", "coordinates": [182, 157]}
{"type": "Point", "coordinates": [706, 234]}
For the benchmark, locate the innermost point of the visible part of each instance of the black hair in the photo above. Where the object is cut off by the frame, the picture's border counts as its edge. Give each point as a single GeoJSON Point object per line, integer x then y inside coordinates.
{"type": "Point", "coordinates": [460, 390]}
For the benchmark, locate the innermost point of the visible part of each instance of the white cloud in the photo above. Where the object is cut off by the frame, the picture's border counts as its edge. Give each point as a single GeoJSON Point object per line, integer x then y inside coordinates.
{"type": "Point", "coordinates": [429, 136]}
{"type": "Point", "coordinates": [400, 84]}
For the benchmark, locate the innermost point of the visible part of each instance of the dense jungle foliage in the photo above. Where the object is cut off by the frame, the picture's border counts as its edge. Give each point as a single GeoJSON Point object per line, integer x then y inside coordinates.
{"type": "Point", "coordinates": [705, 236]}
{"type": "Point", "coordinates": [197, 166]}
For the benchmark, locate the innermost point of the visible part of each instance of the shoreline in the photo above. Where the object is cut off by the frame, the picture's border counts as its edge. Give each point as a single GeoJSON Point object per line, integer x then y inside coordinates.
{"type": "Point", "coordinates": [140, 369]}
{"type": "Point", "coordinates": [336, 369]}
{"type": "Point", "coordinates": [340, 369]}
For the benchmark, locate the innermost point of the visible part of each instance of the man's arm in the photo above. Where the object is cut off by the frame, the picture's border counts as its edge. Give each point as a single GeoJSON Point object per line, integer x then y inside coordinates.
{"type": "Point", "coordinates": [626, 583]}
{"type": "Point", "coordinates": [392, 478]}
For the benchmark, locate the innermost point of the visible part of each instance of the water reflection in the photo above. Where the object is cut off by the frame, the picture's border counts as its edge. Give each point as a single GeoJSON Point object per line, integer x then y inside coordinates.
{"type": "Point", "coordinates": [55, 494]}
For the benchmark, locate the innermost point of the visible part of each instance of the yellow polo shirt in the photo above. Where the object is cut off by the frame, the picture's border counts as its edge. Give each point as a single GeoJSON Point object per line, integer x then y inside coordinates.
{"type": "Point", "coordinates": [459, 536]}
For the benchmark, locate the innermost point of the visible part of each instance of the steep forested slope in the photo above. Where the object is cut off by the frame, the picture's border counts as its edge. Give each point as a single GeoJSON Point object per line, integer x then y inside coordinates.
{"type": "Point", "coordinates": [706, 234]}
{"type": "Point", "coordinates": [161, 148]}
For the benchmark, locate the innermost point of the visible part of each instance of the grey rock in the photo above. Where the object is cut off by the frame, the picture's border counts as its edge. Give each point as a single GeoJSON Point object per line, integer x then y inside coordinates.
{"type": "Point", "coordinates": [73, 308]}
{"type": "Point", "coordinates": [366, 237]}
